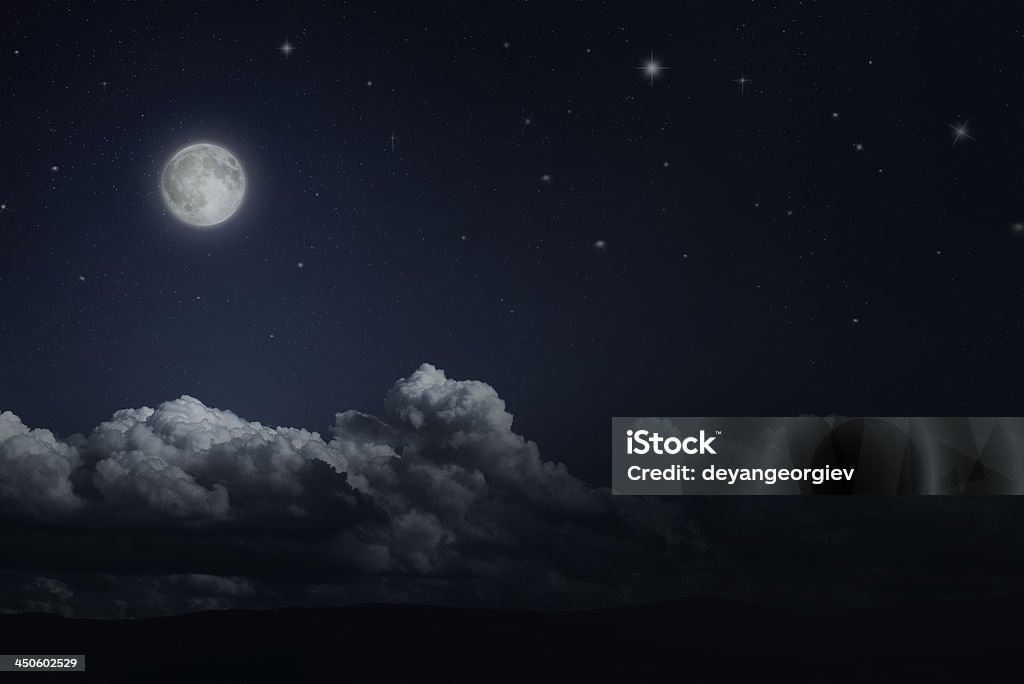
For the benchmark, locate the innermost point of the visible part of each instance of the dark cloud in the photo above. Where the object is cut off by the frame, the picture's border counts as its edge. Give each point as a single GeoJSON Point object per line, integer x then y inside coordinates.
{"type": "Point", "coordinates": [438, 490]}
{"type": "Point", "coordinates": [35, 470]}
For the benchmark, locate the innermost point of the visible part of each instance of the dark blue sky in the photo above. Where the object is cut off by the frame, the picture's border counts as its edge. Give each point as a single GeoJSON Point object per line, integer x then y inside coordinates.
{"type": "Point", "coordinates": [756, 262]}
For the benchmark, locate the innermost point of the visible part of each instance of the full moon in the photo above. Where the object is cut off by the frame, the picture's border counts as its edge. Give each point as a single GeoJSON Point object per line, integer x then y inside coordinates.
{"type": "Point", "coordinates": [203, 185]}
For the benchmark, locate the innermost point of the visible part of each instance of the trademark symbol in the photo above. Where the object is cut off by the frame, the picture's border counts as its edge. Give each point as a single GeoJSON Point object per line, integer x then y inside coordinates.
{"type": "Point", "coordinates": [718, 432]}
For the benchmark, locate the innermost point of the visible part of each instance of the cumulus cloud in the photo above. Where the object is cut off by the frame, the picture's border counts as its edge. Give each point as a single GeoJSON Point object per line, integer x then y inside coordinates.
{"type": "Point", "coordinates": [35, 470]}
{"type": "Point", "coordinates": [439, 486]}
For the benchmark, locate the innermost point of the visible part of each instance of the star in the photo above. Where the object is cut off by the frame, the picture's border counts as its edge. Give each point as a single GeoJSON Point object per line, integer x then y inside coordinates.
{"type": "Point", "coordinates": [835, 115]}
{"type": "Point", "coordinates": [54, 168]}
{"type": "Point", "coordinates": [392, 139]}
{"type": "Point", "coordinates": [1018, 227]}
{"type": "Point", "coordinates": [506, 45]}
{"type": "Point", "coordinates": [286, 49]}
{"type": "Point", "coordinates": [81, 278]}
{"type": "Point", "coordinates": [652, 68]}
{"type": "Point", "coordinates": [742, 82]}
{"type": "Point", "coordinates": [3, 207]}
{"type": "Point", "coordinates": [859, 147]}
{"type": "Point", "coordinates": [546, 178]}
{"type": "Point", "coordinates": [960, 131]}
{"type": "Point", "coordinates": [104, 84]}
{"type": "Point", "coordinates": [601, 245]}
{"type": "Point", "coordinates": [300, 265]}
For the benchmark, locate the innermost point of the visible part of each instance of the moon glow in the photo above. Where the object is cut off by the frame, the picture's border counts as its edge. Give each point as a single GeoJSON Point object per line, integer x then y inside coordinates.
{"type": "Point", "coordinates": [203, 185]}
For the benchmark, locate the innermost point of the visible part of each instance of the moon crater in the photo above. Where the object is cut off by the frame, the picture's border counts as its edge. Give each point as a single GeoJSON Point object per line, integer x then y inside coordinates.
{"type": "Point", "coordinates": [203, 185]}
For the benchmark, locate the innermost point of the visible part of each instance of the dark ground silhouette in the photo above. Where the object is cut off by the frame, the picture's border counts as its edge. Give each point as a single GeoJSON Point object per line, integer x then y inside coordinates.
{"type": "Point", "coordinates": [693, 640]}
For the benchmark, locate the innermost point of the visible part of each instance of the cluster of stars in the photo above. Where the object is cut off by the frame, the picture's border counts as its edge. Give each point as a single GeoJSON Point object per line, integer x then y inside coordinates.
{"type": "Point", "coordinates": [651, 69]}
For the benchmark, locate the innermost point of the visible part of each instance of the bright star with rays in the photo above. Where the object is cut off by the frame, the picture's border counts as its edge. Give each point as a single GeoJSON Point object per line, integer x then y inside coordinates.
{"type": "Point", "coordinates": [652, 68]}
{"type": "Point", "coordinates": [960, 131]}
{"type": "Point", "coordinates": [286, 48]}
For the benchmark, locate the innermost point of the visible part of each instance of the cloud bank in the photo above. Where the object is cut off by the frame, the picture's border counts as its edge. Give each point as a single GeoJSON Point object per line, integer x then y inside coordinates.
{"type": "Point", "coordinates": [184, 506]}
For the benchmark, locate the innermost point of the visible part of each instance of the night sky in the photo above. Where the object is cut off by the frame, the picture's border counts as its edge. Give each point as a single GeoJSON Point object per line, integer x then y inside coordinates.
{"type": "Point", "coordinates": [811, 208]}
